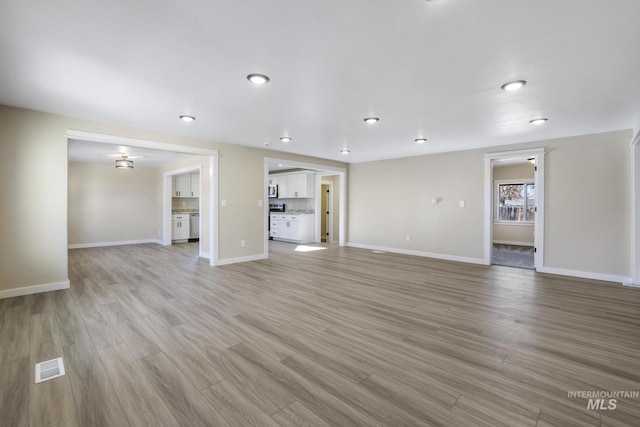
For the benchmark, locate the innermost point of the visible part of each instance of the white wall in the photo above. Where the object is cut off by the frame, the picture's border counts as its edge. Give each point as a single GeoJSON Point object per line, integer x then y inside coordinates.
{"type": "Point", "coordinates": [106, 204]}
{"type": "Point", "coordinates": [587, 200]}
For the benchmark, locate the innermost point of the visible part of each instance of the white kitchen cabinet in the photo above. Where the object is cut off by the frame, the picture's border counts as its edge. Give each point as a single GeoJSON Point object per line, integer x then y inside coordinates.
{"type": "Point", "coordinates": [195, 184]}
{"type": "Point", "coordinates": [292, 228]}
{"type": "Point", "coordinates": [294, 185]}
{"type": "Point", "coordinates": [182, 185]}
{"type": "Point", "coordinates": [179, 227]}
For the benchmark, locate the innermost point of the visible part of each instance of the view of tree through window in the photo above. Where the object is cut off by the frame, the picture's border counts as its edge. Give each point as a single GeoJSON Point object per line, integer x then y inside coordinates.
{"type": "Point", "coordinates": [516, 202]}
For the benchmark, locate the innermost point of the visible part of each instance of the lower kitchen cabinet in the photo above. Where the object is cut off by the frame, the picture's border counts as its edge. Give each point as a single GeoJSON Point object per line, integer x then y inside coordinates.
{"type": "Point", "coordinates": [292, 228]}
{"type": "Point", "coordinates": [179, 227]}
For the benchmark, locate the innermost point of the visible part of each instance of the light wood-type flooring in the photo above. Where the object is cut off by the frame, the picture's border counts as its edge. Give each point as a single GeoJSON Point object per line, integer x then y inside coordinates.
{"type": "Point", "coordinates": [153, 335]}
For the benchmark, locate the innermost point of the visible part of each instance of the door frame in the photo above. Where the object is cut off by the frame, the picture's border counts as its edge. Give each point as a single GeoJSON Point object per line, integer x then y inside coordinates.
{"type": "Point", "coordinates": [329, 225]}
{"type": "Point", "coordinates": [489, 198]}
{"type": "Point", "coordinates": [321, 170]}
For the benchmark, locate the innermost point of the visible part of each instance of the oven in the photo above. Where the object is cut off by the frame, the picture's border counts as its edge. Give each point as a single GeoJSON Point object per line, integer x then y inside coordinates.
{"type": "Point", "coordinates": [273, 207]}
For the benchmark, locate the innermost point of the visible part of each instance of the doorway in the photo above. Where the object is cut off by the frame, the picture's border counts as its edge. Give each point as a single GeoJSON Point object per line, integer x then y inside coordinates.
{"type": "Point", "coordinates": [514, 209]}
{"type": "Point", "coordinates": [335, 177]}
{"type": "Point", "coordinates": [208, 245]}
{"type": "Point", "coordinates": [326, 212]}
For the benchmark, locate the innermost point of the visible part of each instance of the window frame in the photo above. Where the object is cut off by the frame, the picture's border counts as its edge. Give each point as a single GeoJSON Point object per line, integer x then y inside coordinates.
{"type": "Point", "coordinates": [496, 204]}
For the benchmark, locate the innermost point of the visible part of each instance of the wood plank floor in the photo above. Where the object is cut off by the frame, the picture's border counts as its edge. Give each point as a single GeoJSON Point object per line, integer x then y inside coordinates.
{"type": "Point", "coordinates": [153, 335]}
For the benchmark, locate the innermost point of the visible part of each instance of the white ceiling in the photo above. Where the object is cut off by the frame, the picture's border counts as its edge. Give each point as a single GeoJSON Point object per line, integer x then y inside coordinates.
{"type": "Point", "coordinates": [427, 69]}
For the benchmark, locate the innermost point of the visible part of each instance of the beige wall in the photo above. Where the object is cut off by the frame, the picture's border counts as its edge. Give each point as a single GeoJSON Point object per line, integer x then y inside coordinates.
{"type": "Point", "coordinates": [587, 203]}
{"type": "Point", "coordinates": [391, 199]}
{"type": "Point", "coordinates": [33, 172]}
{"type": "Point", "coordinates": [513, 233]}
{"type": "Point", "coordinates": [106, 204]}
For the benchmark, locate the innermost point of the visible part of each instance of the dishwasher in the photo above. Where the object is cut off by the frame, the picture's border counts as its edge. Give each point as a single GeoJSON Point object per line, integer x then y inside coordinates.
{"type": "Point", "coordinates": [194, 226]}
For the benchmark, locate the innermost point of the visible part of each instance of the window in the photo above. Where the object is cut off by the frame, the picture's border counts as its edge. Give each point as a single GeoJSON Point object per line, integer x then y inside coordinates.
{"type": "Point", "coordinates": [515, 202]}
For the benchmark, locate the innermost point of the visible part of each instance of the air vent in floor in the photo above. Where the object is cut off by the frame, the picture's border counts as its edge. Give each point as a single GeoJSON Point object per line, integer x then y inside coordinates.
{"type": "Point", "coordinates": [50, 369]}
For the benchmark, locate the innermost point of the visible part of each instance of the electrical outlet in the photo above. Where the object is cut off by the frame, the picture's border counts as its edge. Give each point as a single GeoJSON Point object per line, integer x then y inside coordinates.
{"type": "Point", "coordinates": [408, 238]}
{"type": "Point", "coordinates": [243, 243]}
{"type": "Point", "coordinates": [223, 203]}
{"type": "Point", "coordinates": [462, 203]}
{"type": "Point", "coordinates": [259, 203]}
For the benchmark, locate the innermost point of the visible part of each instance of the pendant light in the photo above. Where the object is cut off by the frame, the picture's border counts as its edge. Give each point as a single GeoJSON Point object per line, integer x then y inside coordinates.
{"type": "Point", "coordinates": [123, 163]}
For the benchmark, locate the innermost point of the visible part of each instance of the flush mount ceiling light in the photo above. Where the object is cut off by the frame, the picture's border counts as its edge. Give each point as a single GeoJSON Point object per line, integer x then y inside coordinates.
{"type": "Point", "coordinates": [371, 120]}
{"type": "Point", "coordinates": [123, 163]}
{"type": "Point", "coordinates": [266, 144]}
{"type": "Point", "coordinates": [285, 139]}
{"type": "Point", "coordinates": [187, 118]}
{"type": "Point", "coordinates": [420, 140]}
{"type": "Point", "coordinates": [345, 151]}
{"type": "Point", "coordinates": [540, 121]}
{"type": "Point", "coordinates": [258, 79]}
{"type": "Point", "coordinates": [513, 86]}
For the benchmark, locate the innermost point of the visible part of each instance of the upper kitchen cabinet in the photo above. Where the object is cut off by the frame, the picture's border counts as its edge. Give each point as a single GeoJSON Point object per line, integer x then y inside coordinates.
{"type": "Point", "coordinates": [195, 185]}
{"type": "Point", "coordinates": [186, 185]}
{"type": "Point", "coordinates": [294, 185]}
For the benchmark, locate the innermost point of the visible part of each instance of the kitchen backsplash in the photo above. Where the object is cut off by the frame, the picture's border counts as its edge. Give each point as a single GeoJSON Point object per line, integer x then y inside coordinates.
{"type": "Point", "coordinates": [298, 204]}
{"type": "Point", "coordinates": [184, 205]}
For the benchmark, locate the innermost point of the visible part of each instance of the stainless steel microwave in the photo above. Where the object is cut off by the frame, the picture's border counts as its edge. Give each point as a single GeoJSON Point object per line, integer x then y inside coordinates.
{"type": "Point", "coordinates": [273, 191]}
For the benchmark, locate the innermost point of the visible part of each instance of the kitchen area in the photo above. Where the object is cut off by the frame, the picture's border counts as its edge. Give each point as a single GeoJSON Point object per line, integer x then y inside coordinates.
{"type": "Point", "coordinates": [185, 208]}
{"type": "Point", "coordinates": [292, 201]}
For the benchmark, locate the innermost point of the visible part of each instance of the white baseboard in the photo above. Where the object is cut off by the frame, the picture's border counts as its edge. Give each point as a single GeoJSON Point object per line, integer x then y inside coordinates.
{"type": "Point", "coordinates": [631, 285]}
{"type": "Point", "coordinates": [119, 243]}
{"type": "Point", "coordinates": [585, 275]}
{"type": "Point", "coordinates": [419, 253]}
{"type": "Point", "coordinates": [506, 242]}
{"type": "Point", "coordinates": [205, 255]}
{"type": "Point", "coordinates": [35, 289]}
{"type": "Point", "coordinates": [241, 259]}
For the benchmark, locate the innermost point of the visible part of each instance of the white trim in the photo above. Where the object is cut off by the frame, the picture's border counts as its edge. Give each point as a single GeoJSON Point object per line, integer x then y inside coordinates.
{"type": "Point", "coordinates": [418, 253]}
{"type": "Point", "coordinates": [635, 209]}
{"type": "Point", "coordinates": [538, 154]}
{"type": "Point", "coordinates": [213, 208]}
{"type": "Point", "coordinates": [35, 289]}
{"type": "Point", "coordinates": [585, 275]}
{"type": "Point", "coordinates": [631, 285]}
{"type": "Point", "coordinates": [305, 165]}
{"type": "Point", "coordinates": [228, 261]}
{"type": "Point", "coordinates": [140, 143]}
{"type": "Point", "coordinates": [118, 243]}
{"type": "Point", "coordinates": [506, 242]}
{"type": "Point", "coordinates": [204, 255]}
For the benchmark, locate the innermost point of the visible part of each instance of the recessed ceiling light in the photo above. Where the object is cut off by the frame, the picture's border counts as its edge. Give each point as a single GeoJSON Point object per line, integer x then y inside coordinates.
{"type": "Point", "coordinates": [513, 86]}
{"type": "Point", "coordinates": [371, 120]}
{"type": "Point", "coordinates": [266, 144]}
{"type": "Point", "coordinates": [258, 79]}
{"type": "Point", "coordinates": [285, 139]}
{"type": "Point", "coordinates": [420, 140]}
{"type": "Point", "coordinates": [539, 121]}
{"type": "Point", "coordinates": [345, 151]}
{"type": "Point", "coordinates": [187, 118]}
